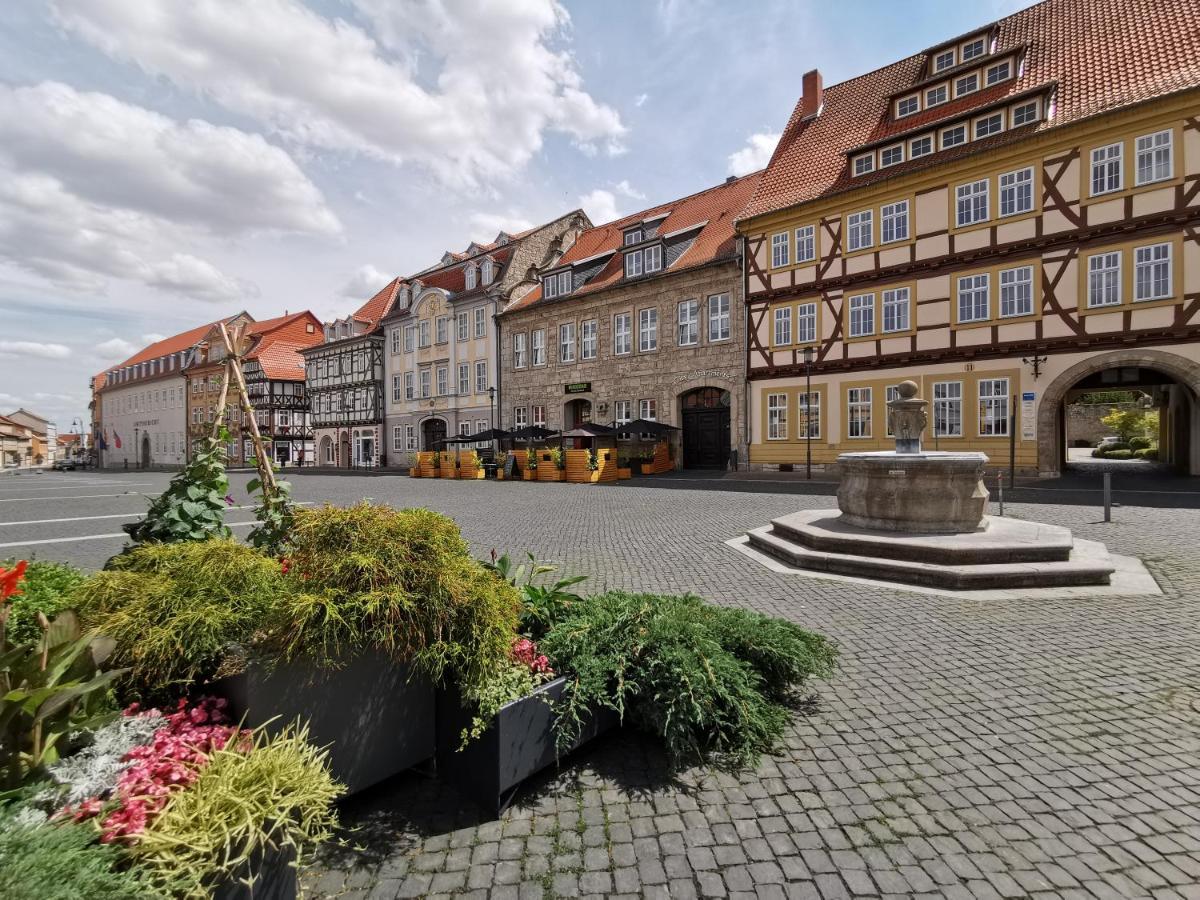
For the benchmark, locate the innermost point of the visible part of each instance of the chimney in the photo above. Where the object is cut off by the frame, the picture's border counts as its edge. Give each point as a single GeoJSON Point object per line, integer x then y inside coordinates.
{"type": "Point", "coordinates": [810, 99]}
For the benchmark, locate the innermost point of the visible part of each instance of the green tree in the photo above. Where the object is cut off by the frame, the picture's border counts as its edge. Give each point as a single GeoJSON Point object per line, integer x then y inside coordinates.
{"type": "Point", "coordinates": [1131, 423]}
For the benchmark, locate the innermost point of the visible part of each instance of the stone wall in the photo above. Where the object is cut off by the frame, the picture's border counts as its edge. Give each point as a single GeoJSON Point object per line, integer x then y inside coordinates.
{"type": "Point", "coordinates": [1083, 421]}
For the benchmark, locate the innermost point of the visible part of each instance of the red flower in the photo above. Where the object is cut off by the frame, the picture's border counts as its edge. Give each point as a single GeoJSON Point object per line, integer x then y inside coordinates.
{"type": "Point", "coordinates": [524, 651]}
{"type": "Point", "coordinates": [9, 579]}
{"type": "Point", "coordinates": [285, 565]}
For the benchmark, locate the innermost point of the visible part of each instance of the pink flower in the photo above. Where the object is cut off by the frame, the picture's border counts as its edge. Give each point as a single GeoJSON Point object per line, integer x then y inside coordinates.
{"type": "Point", "coordinates": [524, 652]}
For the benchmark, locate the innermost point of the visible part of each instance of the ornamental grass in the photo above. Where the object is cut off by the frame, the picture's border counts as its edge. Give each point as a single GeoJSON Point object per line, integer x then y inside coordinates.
{"type": "Point", "coordinates": [401, 582]}
{"type": "Point", "coordinates": [714, 684]}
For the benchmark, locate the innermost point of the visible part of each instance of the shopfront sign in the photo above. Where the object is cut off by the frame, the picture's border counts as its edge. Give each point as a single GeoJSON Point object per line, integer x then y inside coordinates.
{"type": "Point", "coordinates": [578, 387]}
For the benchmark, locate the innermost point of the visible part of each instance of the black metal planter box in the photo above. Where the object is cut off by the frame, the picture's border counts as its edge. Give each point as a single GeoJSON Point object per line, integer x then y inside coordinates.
{"type": "Point", "coordinates": [275, 879]}
{"type": "Point", "coordinates": [518, 744]}
{"type": "Point", "coordinates": [374, 719]}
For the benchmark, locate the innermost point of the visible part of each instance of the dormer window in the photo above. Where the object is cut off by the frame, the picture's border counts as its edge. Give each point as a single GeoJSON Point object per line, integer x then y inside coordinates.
{"type": "Point", "coordinates": [988, 125]}
{"type": "Point", "coordinates": [652, 258]}
{"type": "Point", "coordinates": [471, 272]}
{"type": "Point", "coordinates": [485, 271]}
{"type": "Point", "coordinates": [864, 164]}
{"type": "Point", "coordinates": [944, 60]}
{"type": "Point", "coordinates": [404, 297]}
{"type": "Point", "coordinates": [907, 106]}
{"type": "Point", "coordinates": [633, 265]}
{"type": "Point", "coordinates": [1001, 71]}
{"type": "Point", "coordinates": [921, 146]}
{"type": "Point", "coordinates": [634, 236]}
{"type": "Point", "coordinates": [556, 285]}
{"type": "Point", "coordinates": [968, 84]}
{"type": "Point", "coordinates": [1024, 113]}
{"type": "Point", "coordinates": [973, 49]}
{"type": "Point", "coordinates": [936, 96]}
{"type": "Point", "coordinates": [890, 156]}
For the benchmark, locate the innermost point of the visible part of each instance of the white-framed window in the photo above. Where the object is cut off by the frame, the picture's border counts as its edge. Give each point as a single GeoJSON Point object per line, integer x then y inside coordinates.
{"type": "Point", "coordinates": [972, 49]}
{"type": "Point", "coordinates": [397, 388]}
{"type": "Point", "coordinates": [864, 164]}
{"type": "Point", "coordinates": [1024, 113]}
{"type": "Point", "coordinates": [718, 317]}
{"type": "Point", "coordinates": [539, 415]}
{"type": "Point", "coordinates": [858, 412]}
{"type": "Point", "coordinates": [921, 146]}
{"type": "Point", "coordinates": [1104, 279]}
{"type": "Point", "coordinates": [565, 285]}
{"type": "Point", "coordinates": [907, 106]}
{"type": "Point", "coordinates": [1152, 272]}
{"type": "Point", "coordinates": [622, 334]}
{"type": "Point", "coordinates": [896, 309]}
{"type": "Point", "coordinates": [947, 408]}
{"type": "Point", "coordinates": [1153, 157]}
{"type": "Point", "coordinates": [633, 236]}
{"type": "Point", "coordinates": [647, 329]}
{"type": "Point", "coordinates": [589, 338]}
{"type": "Point", "coordinates": [974, 302]}
{"type": "Point", "coordinates": [409, 387]}
{"type": "Point", "coordinates": [395, 340]}
{"type": "Point", "coordinates": [689, 323]}
{"type": "Point", "coordinates": [966, 84]}
{"type": "Point", "coordinates": [397, 438]}
{"type": "Point", "coordinates": [989, 125]}
{"type": "Point", "coordinates": [519, 353]}
{"type": "Point", "coordinates": [809, 409]}
{"type": "Point", "coordinates": [538, 343]}
{"type": "Point", "coordinates": [485, 272]}
{"type": "Point", "coordinates": [648, 410]}
{"type": "Point", "coordinates": [993, 407]}
{"type": "Point", "coordinates": [464, 429]}
{"type": "Point", "coordinates": [410, 338]}
{"type": "Point", "coordinates": [1001, 71]}
{"type": "Point", "coordinates": [481, 376]}
{"type": "Point", "coordinates": [893, 222]}
{"type": "Point", "coordinates": [944, 60]}
{"type": "Point", "coordinates": [952, 137]}
{"type": "Point", "coordinates": [891, 156]}
{"type": "Point", "coordinates": [550, 286]}
{"type": "Point", "coordinates": [443, 329]}
{"type": "Point", "coordinates": [410, 437]}
{"type": "Point", "coordinates": [470, 277]}
{"type": "Point", "coordinates": [806, 323]}
{"type": "Point", "coordinates": [1016, 192]}
{"type": "Point", "coordinates": [806, 243]}
{"type": "Point", "coordinates": [480, 322]}
{"type": "Point", "coordinates": [971, 202]}
{"type": "Point", "coordinates": [780, 250]}
{"type": "Point", "coordinates": [566, 342]}
{"type": "Point", "coordinates": [652, 258]}
{"type": "Point", "coordinates": [777, 410]}
{"type": "Point", "coordinates": [859, 230]}
{"type": "Point", "coordinates": [464, 379]}
{"type": "Point", "coordinates": [936, 96]}
{"type": "Point", "coordinates": [443, 379]}
{"type": "Point", "coordinates": [862, 315]}
{"type": "Point", "coordinates": [890, 393]}
{"type": "Point", "coordinates": [520, 417]}
{"type": "Point", "coordinates": [633, 264]}
{"type": "Point", "coordinates": [462, 326]}
{"type": "Point", "coordinates": [426, 375]}
{"type": "Point", "coordinates": [423, 333]}
{"type": "Point", "coordinates": [1106, 168]}
{"type": "Point", "coordinates": [1016, 292]}
{"type": "Point", "coordinates": [481, 425]}
{"type": "Point", "coordinates": [623, 411]}
{"type": "Point", "coordinates": [783, 326]}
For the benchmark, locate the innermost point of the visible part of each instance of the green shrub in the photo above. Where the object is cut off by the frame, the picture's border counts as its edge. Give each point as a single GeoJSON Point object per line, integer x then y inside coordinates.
{"type": "Point", "coordinates": [1139, 443]}
{"type": "Point", "coordinates": [710, 682]}
{"type": "Point", "coordinates": [1147, 453]}
{"type": "Point", "coordinates": [46, 589]}
{"type": "Point", "coordinates": [192, 508]}
{"type": "Point", "coordinates": [64, 862]}
{"type": "Point", "coordinates": [398, 581]}
{"type": "Point", "coordinates": [175, 609]}
{"type": "Point", "coordinates": [277, 793]}
{"type": "Point", "coordinates": [1118, 454]}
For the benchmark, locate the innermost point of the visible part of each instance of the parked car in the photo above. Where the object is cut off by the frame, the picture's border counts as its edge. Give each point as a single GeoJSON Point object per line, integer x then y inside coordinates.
{"type": "Point", "coordinates": [64, 465]}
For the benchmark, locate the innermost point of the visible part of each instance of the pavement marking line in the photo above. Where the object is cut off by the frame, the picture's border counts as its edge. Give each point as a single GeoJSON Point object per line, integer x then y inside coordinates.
{"type": "Point", "coordinates": [111, 516]}
{"type": "Point", "coordinates": [93, 537]}
{"type": "Point", "coordinates": [82, 484]}
{"type": "Point", "coordinates": [73, 497]}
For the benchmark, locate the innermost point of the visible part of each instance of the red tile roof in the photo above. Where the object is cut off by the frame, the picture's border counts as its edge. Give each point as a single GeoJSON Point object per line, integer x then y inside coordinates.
{"type": "Point", "coordinates": [1101, 54]}
{"type": "Point", "coordinates": [281, 359]}
{"type": "Point", "coordinates": [279, 341]}
{"type": "Point", "coordinates": [452, 277]}
{"type": "Point", "coordinates": [378, 306]}
{"type": "Point", "coordinates": [176, 343]}
{"type": "Point", "coordinates": [714, 208]}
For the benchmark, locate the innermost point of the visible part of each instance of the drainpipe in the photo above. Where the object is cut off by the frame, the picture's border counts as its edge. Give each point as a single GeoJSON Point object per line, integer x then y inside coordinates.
{"type": "Point", "coordinates": [746, 345]}
{"type": "Point", "coordinates": [498, 367]}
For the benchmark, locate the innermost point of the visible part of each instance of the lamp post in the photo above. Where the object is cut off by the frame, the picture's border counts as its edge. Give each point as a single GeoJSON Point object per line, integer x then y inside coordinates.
{"type": "Point", "coordinates": [808, 358]}
{"type": "Point", "coordinates": [492, 423]}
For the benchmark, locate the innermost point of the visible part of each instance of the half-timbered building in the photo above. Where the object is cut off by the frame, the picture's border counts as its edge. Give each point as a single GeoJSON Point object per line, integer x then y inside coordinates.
{"type": "Point", "coordinates": [344, 385]}
{"type": "Point", "coordinates": [1009, 218]}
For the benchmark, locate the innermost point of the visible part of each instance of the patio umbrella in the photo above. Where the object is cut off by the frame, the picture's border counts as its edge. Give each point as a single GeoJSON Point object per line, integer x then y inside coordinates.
{"type": "Point", "coordinates": [645, 426]}
{"type": "Point", "coordinates": [491, 434]}
{"type": "Point", "coordinates": [589, 430]}
{"type": "Point", "coordinates": [531, 433]}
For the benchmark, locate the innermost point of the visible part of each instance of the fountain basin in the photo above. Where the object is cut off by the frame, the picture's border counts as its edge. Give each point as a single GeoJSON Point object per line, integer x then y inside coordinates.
{"type": "Point", "coordinates": [919, 493]}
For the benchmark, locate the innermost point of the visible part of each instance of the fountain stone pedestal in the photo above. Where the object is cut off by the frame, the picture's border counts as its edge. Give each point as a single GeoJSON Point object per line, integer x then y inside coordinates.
{"type": "Point", "coordinates": [921, 517]}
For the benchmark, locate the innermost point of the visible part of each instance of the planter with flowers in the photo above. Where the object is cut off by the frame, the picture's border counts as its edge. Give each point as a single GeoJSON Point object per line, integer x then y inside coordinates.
{"type": "Point", "coordinates": [435, 462]}
{"type": "Point", "coordinates": [502, 466]}
{"type": "Point", "coordinates": [551, 465]}
{"type": "Point", "coordinates": [472, 466]}
{"type": "Point", "coordinates": [529, 471]}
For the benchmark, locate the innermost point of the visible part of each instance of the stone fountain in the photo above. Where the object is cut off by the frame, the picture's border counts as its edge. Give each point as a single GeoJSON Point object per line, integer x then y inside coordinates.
{"type": "Point", "coordinates": [920, 517]}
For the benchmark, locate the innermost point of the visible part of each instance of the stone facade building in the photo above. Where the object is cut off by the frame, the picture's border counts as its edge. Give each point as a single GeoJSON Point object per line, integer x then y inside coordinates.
{"type": "Point", "coordinates": [44, 444]}
{"type": "Point", "coordinates": [440, 348]}
{"type": "Point", "coordinates": [641, 319]}
{"type": "Point", "coordinates": [1008, 218]}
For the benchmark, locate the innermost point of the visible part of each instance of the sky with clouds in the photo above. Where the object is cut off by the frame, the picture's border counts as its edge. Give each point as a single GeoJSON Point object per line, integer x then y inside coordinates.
{"type": "Point", "coordinates": [164, 163]}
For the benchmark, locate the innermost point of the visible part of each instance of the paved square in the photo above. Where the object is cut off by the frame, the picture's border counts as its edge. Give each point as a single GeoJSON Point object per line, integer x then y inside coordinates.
{"type": "Point", "coordinates": [1008, 748]}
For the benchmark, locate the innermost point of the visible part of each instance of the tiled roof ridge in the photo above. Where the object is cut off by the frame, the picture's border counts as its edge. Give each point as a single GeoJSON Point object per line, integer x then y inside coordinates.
{"type": "Point", "coordinates": [463, 258]}
{"type": "Point", "coordinates": [678, 201]}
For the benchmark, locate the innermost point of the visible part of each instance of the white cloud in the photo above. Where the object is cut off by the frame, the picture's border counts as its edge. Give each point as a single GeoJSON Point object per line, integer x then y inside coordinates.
{"type": "Point", "coordinates": [466, 89]}
{"type": "Point", "coordinates": [485, 226]}
{"type": "Point", "coordinates": [153, 338]}
{"type": "Point", "coordinates": [117, 349]}
{"type": "Point", "coordinates": [625, 189]}
{"type": "Point", "coordinates": [35, 349]}
{"type": "Point", "coordinates": [118, 155]}
{"type": "Point", "coordinates": [640, 100]}
{"type": "Point", "coordinates": [364, 283]}
{"type": "Point", "coordinates": [755, 155]}
{"type": "Point", "coordinates": [600, 205]}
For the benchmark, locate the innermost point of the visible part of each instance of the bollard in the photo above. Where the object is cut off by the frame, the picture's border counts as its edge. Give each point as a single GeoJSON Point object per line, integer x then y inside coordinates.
{"type": "Point", "coordinates": [1108, 496]}
{"type": "Point", "coordinates": [1000, 490]}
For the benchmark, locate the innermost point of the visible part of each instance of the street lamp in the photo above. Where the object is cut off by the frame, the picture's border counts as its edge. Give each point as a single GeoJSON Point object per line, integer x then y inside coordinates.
{"type": "Point", "coordinates": [808, 358]}
{"type": "Point", "coordinates": [492, 398]}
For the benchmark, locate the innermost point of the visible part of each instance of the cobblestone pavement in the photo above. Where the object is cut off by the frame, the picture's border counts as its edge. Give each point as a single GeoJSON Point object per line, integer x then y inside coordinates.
{"type": "Point", "coordinates": [1014, 749]}
{"type": "Point", "coordinates": [964, 749]}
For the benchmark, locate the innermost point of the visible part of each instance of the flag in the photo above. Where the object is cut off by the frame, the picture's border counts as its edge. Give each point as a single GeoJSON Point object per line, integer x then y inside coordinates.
{"type": "Point", "coordinates": [116, 439]}
{"type": "Point", "coordinates": [103, 439]}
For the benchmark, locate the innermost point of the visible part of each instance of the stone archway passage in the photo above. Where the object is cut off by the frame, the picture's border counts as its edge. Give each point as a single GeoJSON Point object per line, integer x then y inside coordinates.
{"type": "Point", "coordinates": [1050, 435]}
